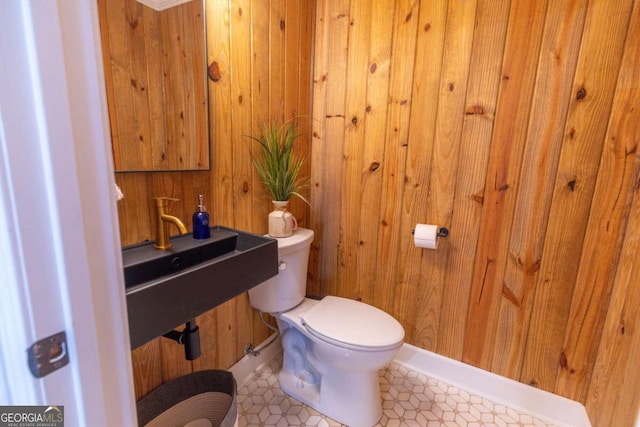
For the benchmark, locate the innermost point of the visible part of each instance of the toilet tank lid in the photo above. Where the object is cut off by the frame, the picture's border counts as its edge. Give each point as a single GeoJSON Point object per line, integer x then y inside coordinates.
{"type": "Point", "coordinates": [353, 323]}
{"type": "Point", "coordinates": [295, 242]}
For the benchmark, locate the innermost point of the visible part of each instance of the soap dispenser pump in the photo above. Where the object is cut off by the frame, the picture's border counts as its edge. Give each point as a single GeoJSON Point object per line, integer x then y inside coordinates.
{"type": "Point", "coordinates": [201, 221]}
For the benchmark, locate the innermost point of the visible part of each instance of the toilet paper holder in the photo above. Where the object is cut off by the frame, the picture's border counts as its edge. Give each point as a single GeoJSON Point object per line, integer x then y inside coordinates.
{"type": "Point", "coordinates": [442, 232]}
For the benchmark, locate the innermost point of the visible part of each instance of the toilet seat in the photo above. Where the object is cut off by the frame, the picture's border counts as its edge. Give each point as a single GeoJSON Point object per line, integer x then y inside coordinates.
{"type": "Point", "coordinates": [353, 324]}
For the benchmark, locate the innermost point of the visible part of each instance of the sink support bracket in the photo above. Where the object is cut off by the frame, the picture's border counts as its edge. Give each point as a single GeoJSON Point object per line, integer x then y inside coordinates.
{"type": "Point", "coordinates": [189, 337]}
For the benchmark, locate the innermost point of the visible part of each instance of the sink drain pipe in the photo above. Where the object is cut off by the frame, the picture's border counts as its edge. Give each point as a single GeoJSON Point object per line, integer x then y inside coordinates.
{"type": "Point", "coordinates": [189, 337]}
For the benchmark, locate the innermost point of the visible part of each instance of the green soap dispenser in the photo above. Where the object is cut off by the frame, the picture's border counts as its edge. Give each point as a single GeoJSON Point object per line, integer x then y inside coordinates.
{"type": "Point", "coordinates": [201, 221]}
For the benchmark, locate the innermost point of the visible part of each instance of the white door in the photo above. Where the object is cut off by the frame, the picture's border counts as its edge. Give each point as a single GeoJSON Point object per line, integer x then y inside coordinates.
{"type": "Point", "coordinates": [60, 266]}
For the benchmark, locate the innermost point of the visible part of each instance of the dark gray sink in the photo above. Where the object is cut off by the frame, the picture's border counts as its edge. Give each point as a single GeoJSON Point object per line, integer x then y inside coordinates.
{"type": "Point", "coordinates": [165, 289]}
{"type": "Point", "coordinates": [143, 262]}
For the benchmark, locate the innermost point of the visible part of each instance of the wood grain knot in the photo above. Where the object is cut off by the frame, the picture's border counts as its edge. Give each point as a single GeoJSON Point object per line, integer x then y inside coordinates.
{"type": "Point", "coordinates": [374, 166]}
{"type": "Point", "coordinates": [245, 187]}
{"type": "Point", "coordinates": [533, 268]}
{"type": "Point", "coordinates": [630, 151]}
{"type": "Point", "coordinates": [572, 184]}
{"type": "Point", "coordinates": [478, 197]}
{"type": "Point", "coordinates": [582, 93]}
{"type": "Point", "coordinates": [373, 67]}
{"type": "Point", "coordinates": [510, 296]}
{"type": "Point", "coordinates": [282, 24]}
{"type": "Point", "coordinates": [564, 363]}
{"type": "Point", "coordinates": [214, 71]}
{"type": "Point", "coordinates": [474, 110]}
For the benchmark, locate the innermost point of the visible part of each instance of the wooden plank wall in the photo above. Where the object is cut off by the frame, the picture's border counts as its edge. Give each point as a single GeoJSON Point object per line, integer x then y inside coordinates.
{"type": "Point", "coordinates": [515, 124]}
{"type": "Point", "coordinates": [262, 55]}
{"type": "Point", "coordinates": [156, 89]}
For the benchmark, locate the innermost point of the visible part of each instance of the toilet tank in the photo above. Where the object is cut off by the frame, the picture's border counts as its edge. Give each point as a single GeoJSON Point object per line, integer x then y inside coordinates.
{"type": "Point", "coordinates": [288, 288]}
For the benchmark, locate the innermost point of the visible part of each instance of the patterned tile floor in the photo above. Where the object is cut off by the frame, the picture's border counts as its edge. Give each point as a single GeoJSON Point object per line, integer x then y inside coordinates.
{"type": "Point", "coordinates": [410, 398]}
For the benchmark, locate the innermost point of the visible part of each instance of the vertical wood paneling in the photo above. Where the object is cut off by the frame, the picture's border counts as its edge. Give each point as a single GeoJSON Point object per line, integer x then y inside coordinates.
{"type": "Point", "coordinates": [395, 151]}
{"type": "Point", "coordinates": [475, 145]}
{"type": "Point", "coordinates": [617, 175]}
{"type": "Point", "coordinates": [354, 141]}
{"type": "Point", "coordinates": [221, 129]}
{"type": "Point", "coordinates": [376, 78]}
{"type": "Point", "coordinates": [260, 88]}
{"type": "Point", "coordinates": [600, 57]}
{"type": "Point", "coordinates": [592, 93]}
{"type": "Point", "coordinates": [241, 113]}
{"type": "Point", "coordinates": [318, 108]}
{"type": "Point", "coordinates": [613, 397]}
{"type": "Point", "coordinates": [184, 90]}
{"type": "Point", "coordinates": [526, 23]}
{"type": "Point", "coordinates": [467, 114]}
{"type": "Point", "coordinates": [292, 56]}
{"type": "Point", "coordinates": [494, 124]}
{"type": "Point", "coordinates": [417, 292]}
{"type": "Point", "coordinates": [330, 70]}
{"type": "Point", "coordinates": [147, 368]}
{"type": "Point", "coordinates": [305, 69]}
{"type": "Point", "coordinates": [556, 67]}
{"type": "Point", "coordinates": [154, 66]}
{"type": "Point", "coordinates": [458, 39]}
{"type": "Point", "coordinates": [239, 101]}
{"type": "Point", "coordinates": [277, 55]}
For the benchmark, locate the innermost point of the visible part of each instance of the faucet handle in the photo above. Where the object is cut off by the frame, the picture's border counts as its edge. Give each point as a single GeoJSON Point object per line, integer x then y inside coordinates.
{"type": "Point", "coordinates": [164, 201]}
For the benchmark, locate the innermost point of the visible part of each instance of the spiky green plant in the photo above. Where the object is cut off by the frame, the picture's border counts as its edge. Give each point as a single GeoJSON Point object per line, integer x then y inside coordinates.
{"type": "Point", "coordinates": [276, 164]}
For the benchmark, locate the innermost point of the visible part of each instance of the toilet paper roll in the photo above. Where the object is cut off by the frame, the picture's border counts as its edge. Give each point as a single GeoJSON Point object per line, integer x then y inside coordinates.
{"type": "Point", "coordinates": [426, 236]}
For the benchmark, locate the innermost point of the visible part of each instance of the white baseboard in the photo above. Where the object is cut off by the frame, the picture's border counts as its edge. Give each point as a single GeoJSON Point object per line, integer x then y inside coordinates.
{"type": "Point", "coordinates": [521, 397]}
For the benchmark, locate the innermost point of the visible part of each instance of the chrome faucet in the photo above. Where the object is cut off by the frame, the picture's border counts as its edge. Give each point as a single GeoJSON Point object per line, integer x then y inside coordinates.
{"type": "Point", "coordinates": [162, 235]}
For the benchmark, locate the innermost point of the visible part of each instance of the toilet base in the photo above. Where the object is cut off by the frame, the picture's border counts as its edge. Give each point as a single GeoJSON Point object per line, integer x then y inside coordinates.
{"type": "Point", "coordinates": [351, 399]}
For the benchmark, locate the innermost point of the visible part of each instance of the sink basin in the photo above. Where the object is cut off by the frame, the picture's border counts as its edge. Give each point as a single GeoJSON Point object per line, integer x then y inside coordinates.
{"type": "Point", "coordinates": [165, 289]}
{"type": "Point", "coordinates": [143, 262]}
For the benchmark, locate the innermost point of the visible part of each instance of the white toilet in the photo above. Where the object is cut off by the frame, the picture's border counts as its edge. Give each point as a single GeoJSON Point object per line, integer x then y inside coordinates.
{"type": "Point", "coordinates": [333, 347]}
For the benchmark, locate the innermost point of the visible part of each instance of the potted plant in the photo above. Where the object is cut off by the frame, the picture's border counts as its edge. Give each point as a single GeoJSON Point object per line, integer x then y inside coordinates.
{"type": "Point", "coordinates": [279, 169]}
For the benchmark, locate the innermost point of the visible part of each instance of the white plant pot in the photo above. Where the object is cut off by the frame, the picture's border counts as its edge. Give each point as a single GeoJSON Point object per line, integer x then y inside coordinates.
{"type": "Point", "coordinates": [282, 223]}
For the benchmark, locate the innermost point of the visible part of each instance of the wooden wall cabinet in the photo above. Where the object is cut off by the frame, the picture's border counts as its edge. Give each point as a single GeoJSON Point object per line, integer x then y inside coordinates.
{"type": "Point", "coordinates": [155, 72]}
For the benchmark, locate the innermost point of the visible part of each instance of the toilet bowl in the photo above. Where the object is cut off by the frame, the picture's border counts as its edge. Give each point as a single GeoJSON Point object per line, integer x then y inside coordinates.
{"type": "Point", "coordinates": [334, 347]}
